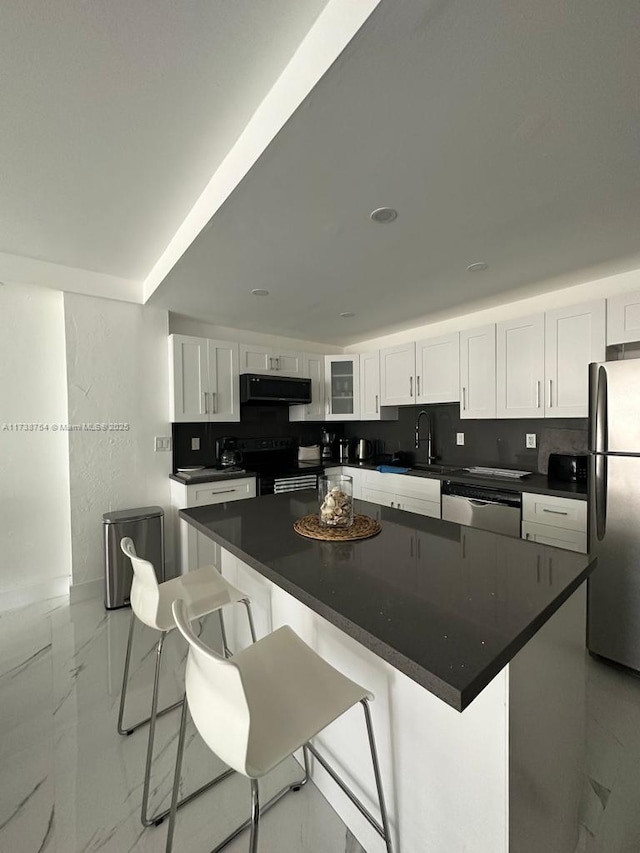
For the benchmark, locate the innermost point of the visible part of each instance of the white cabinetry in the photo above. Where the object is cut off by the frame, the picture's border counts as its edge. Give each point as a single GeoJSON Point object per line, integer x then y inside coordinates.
{"type": "Point", "coordinates": [342, 387]}
{"type": "Point", "coordinates": [478, 372]}
{"type": "Point", "coordinates": [371, 408]}
{"type": "Point", "coordinates": [195, 549]}
{"type": "Point", "coordinates": [203, 380]}
{"type": "Point", "coordinates": [551, 520]}
{"type": "Point", "coordinates": [413, 494]}
{"type": "Point", "coordinates": [520, 367]}
{"type": "Point", "coordinates": [397, 375]}
{"type": "Point", "coordinates": [255, 358]}
{"type": "Point", "coordinates": [574, 337]}
{"type": "Point", "coordinates": [623, 318]}
{"type": "Point", "coordinates": [438, 369]}
{"type": "Point", "coordinates": [313, 369]}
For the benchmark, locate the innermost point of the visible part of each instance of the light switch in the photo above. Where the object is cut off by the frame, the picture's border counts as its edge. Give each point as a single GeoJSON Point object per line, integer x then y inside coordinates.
{"type": "Point", "coordinates": [530, 440]}
{"type": "Point", "coordinates": [459, 438]}
{"type": "Point", "coordinates": [195, 444]}
{"type": "Point", "coordinates": [162, 443]}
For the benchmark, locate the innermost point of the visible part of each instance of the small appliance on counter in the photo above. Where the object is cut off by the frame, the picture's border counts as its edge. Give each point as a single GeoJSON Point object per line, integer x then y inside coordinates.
{"type": "Point", "coordinates": [343, 449]}
{"type": "Point", "coordinates": [363, 449]}
{"type": "Point", "coordinates": [227, 452]}
{"type": "Point", "coordinates": [309, 453]}
{"type": "Point", "coordinates": [568, 468]}
{"type": "Point", "coordinates": [327, 439]}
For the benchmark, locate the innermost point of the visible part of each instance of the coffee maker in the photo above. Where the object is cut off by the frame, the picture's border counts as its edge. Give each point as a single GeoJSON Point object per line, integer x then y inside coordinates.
{"type": "Point", "coordinates": [227, 453]}
{"type": "Point", "coordinates": [327, 439]}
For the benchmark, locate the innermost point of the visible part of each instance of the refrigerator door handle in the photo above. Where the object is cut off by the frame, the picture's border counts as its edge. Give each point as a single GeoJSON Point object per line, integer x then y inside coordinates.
{"type": "Point", "coordinates": [600, 437]}
{"type": "Point", "coordinates": [600, 495]}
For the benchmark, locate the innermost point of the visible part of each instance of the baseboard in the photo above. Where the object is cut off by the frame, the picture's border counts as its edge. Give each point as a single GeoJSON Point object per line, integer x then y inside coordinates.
{"type": "Point", "coordinates": [12, 599]}
{"type": "Point", "coordinates": [83, 591]}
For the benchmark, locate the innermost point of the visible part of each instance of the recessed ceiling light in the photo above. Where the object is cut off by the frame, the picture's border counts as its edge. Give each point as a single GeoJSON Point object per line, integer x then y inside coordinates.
{"type": "Point", "coordinates": [384, 215]}
{"type": "Point", "coordinates": [480, 266]}
{"type": "Point", "coordinates": [259, 291]}
{"type": "Point", "coordinates": [347, 314]}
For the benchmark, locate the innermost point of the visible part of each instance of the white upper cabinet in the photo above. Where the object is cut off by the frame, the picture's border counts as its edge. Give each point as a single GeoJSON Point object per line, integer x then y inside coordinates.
{"type": "Point", "coordinates": [313, 369]}
{"type": "Point", "coordinates": [478, 372]}
{"type": "Point", "coordinates": [574, 337]}
{"type": "Point", "coordinates": [397, 375]}
{"type": "Point", "coordinates": [255, 358]}
{"type": "Point", "coordinates": [189, 379]}
{"type": "Point", "coordinates": [371, 409]}
{"type": "Point", "coordinates": [204, 384]}
{"type": "Point", "coordinates": [520, 367]}
{"type": "Point", "coordinates": [623, 318]}
{"type": "Point", "coordinates": [342, 387]}
{"type": "Point", "coordinates": [438, 369]}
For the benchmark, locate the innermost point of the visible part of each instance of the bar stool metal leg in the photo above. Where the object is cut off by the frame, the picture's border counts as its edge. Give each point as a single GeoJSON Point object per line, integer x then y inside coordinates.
{"type": "Point", "coordinates": [255, 816]}
{"type": "Point", "coordinates": [152, 734]}
{"type": "Point", "coordinates": [127, 730]}
{"type": "Point", "coordinates": [252, 627]}
{"type": "Point", "coordinates": [376, 773]}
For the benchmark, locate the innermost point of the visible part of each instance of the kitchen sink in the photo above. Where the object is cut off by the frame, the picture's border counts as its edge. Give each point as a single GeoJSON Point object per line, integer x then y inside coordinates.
{"type": "Point", "coordinates": [436, 469]}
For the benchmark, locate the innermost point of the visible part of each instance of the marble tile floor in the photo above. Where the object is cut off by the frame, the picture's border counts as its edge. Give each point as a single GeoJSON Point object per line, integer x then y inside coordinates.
{"type": "Point", "coordinates": [70, 784]}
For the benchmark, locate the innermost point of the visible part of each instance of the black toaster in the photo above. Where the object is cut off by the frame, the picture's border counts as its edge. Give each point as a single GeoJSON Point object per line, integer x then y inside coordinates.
{"type": "Point", "coordinates": [568, 467]}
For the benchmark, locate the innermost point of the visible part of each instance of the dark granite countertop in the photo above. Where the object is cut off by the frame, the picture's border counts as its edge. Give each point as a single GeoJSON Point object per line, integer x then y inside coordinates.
{"type": "Point", "coordinates": [447, 605]}
{"type": "Point", "coordinates": [535, 483]}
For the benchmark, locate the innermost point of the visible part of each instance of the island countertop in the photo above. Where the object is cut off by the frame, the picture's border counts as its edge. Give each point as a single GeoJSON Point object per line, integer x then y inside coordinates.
{"type": "Point", "coordinates": [447, 605]}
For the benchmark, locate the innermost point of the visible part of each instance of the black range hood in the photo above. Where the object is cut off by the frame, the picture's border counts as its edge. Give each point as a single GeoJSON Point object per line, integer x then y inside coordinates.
{"type": "Point", "coordinates": [272, 390]}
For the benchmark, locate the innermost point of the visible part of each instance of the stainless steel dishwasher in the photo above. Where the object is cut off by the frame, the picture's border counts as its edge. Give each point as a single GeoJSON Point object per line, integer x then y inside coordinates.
{"type": "Point", "coordinates": [486, 507]}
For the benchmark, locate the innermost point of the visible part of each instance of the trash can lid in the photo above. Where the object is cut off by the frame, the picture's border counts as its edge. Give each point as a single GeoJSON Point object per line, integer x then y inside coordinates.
{"type": "Point", "coordinates": [138, 514]}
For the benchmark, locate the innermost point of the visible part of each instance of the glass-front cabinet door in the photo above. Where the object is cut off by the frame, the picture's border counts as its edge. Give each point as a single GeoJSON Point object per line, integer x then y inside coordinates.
{"type": "Point", "coordinates": [342, 374]}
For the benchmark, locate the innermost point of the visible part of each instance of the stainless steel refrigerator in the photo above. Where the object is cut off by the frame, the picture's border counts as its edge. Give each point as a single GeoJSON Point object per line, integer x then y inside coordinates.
{"type": "Point", "coordinates": [613, 620]}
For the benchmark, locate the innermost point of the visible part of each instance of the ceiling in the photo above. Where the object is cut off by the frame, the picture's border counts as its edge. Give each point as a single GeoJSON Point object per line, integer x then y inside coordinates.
{"type": "Point", "coordinates": [116, 113]}
{"type": "Point", "coordinates": [504, 131]}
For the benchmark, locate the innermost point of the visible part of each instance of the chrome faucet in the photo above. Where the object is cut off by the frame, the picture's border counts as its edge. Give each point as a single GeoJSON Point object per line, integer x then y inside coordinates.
{"type": "Point", "coordinates": [429, 439]}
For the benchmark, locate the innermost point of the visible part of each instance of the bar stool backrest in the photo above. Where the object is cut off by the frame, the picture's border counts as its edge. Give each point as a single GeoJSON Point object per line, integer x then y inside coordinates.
{"type": "Point", "coordinates": [216, 697]}
{"type": "Point", "coordinates": [145, 595]}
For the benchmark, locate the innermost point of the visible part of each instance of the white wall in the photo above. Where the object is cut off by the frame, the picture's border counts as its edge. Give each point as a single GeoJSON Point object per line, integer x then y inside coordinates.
{"type": "Point", "coordinates": [601, 288]}
{"type": "Point", "coordinates": [117, 372]}
{"type": "Point", "coordinates": [34, 473]}
{"type": "Point", "coordinates": [179, 325]}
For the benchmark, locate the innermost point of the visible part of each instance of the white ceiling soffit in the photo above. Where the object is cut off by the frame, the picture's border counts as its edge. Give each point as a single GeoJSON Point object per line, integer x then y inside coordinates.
{"type": "Point", "coordinates": [504, 131]}
{"type": "Point", "coordinates": [116, 114]}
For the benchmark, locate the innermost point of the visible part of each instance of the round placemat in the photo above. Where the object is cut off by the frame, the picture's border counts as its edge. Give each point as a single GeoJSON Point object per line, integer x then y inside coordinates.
{"type": "Point", "coordinates": [362, 528]}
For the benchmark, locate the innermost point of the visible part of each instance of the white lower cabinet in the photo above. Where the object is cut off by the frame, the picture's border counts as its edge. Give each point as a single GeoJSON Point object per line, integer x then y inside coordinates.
{"type": "Point", "coordinates": [551, 520]}
{"type": "Point", "coordinates": [193, 548]}
{"type": "Point", "coordinates": [412, 494]}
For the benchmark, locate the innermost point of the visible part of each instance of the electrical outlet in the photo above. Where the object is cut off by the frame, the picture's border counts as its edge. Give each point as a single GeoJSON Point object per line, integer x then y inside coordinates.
{"type": "Point", "coordinates": [195, 444]}
{"type": "Point", "coordinates": [162, 443]}
{"type": "Point", "coordinates": [459, 438]}
{"type": "Point", "coordinates": [530, 440]}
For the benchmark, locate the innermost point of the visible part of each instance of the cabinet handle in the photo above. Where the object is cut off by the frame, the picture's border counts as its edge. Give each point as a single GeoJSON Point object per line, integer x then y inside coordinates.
{"type": "Point", "coordinates": [417, 386]}
{"type": "Point", "coordinates": [550, 393]}
{"type": "Point", "coordinates": [206, 407]}
{"type": "Point", "coordinates": [214, 408]}
{"type": "Point", "coordinates": [538, 394]}
{"type": "Point", "coordinates": [464, 398]}
{"type": "Point", "coordinates": [278, 363]}
{"type": "Point", "coordinates": [411, 386]}
{"type": "Point", "coordinates": [555, 511]}
{"type": "Point", "coordinates": [224, 492]}
{"type": "Point", "coordinates": [527, 536]}
{"type": "Point", "coordinates": [418, 547]}
{"type": "Point", "coordinates": [377, 408]}
{"type": "Point", "coordinates": [537, 566]}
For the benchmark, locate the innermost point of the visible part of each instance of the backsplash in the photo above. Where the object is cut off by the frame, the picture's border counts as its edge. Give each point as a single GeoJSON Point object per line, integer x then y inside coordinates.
{"type": "Point", "coordinates": [255, 421]}
{"type": "Point", "coordinates": [497, 443]}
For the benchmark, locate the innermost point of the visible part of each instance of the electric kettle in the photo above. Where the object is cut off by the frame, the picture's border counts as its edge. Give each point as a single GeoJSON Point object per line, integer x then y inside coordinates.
{"type": "Point", "coordinates": [363, 449]}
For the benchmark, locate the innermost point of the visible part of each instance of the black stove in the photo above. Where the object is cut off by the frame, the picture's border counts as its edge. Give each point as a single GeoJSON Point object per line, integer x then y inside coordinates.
{"type": "Point", "coordinates": [275, 463]}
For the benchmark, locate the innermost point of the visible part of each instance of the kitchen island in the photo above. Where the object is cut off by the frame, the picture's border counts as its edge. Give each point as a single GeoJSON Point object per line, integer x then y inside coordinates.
{"type": "Point", "coordinates": [473, 644]}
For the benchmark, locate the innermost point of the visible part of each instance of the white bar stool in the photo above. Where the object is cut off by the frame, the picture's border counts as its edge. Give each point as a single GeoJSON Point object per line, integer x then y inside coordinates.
{"type": "Point", "coordinates": [258, 708]}
{"type": "Point", "coordinates": [204, 591]}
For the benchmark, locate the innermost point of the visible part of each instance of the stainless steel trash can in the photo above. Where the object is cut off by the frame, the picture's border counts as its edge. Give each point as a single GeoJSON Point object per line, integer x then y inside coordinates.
{"type": "Point", "coordinates": [145, 526]}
